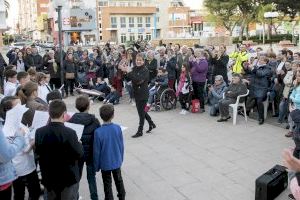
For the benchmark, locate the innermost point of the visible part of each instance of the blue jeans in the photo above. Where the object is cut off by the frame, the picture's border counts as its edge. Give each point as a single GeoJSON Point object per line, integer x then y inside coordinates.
{"type": "Point", "coordinates": [129, 90]}
{"type": "Point", "coordinates": [113, 97]}
{"type": "Point", "coordinates": [214, 109]}
{"type": "Point", "coordinates": [283, 110]}
{"type": "Point", "coordinates": [152, 93]}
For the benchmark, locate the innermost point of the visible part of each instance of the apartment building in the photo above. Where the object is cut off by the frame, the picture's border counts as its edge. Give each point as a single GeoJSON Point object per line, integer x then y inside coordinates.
{"type": "Point", "coordinates": [79, 22]}
{"type": "Point", "coordinates": [33, 19]}
{"type": "Point", "coordinates": [121, 21]}
{"type": "Point", "coordinates": [3, 25]}
{"type": "Point", "coordinates": [179, 19]}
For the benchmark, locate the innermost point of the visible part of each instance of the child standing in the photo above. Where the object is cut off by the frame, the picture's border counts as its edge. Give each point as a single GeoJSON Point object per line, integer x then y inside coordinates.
{"type": "Point", "coordinates": [109, 152]}
{"type": "Point", "coordinates": [43, 90]}
{"type": "Point", "coordinates": [183, 90]}
{"type": "Point", "coordinates": [90, 123]}
{"type": "Point", "coordinates": [10, 86]}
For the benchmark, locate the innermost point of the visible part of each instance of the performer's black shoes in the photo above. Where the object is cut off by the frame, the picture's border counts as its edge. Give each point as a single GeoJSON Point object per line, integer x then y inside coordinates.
{"type": "Point", "coordinates": [138, 134]}
{"type": "Point", "coordinates": [151, 126]}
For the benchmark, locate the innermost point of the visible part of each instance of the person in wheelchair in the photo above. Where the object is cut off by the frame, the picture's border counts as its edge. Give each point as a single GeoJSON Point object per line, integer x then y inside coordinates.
{"type": "Point", "coordinates": [160, 81]}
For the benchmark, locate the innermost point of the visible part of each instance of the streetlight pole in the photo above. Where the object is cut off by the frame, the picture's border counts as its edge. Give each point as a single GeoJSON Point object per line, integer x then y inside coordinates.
{"type": "Point", "coordinates": [271, 15]}
{"type": "Point", "coordinates": [59, 21]}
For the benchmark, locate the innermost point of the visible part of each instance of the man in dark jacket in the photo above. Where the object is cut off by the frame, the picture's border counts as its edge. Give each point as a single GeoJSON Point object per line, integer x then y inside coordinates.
{"type": "Point", "coordinates": [171, 68]}
{"type": "Point", "coordinates": [151, 64]}
{"type": "Point", "coordinates": [258, 86]}
{"type": "Point", "coordinates": [34, 60]}
{"type": "Point", "coordinates": [52, 66]}
{"type": "Point", "coordinates": [220, 60]}
{"type": "Point", "coordinates": [179, 61]}
{"type": "Point", "coordinates": [140, 78]}
{"type": "Point", "coordinates": [59, 151]}
{"type": "Point", "coordinates": [236, 88]}
{"type": "Point", "coordinates": [12, 55]}
{"type": "Point", "coordinates": [91, 123]}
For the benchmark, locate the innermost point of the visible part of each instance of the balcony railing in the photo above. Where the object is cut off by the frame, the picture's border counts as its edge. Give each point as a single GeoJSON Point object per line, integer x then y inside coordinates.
{"type": "Point", "coordinates": [126, 4]}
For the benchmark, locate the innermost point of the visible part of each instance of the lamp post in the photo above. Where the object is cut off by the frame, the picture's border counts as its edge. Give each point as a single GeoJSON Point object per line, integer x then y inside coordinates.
{"type": "Point", "coordinates": [271, 15]}
{"type": "Point", "coordinates": [58, 6]}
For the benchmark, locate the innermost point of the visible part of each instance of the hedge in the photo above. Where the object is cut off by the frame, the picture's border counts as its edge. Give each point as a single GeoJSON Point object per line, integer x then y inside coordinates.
{"type": "Point", "coordinates": [274, 38]}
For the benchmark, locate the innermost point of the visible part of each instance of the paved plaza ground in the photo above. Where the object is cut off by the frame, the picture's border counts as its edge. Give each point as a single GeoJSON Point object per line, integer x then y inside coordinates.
{"type": "Point", "coordinates": [193, 157]}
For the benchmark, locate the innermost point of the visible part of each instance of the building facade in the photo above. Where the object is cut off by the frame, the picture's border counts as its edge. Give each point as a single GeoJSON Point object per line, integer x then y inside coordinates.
{"type": "Point", "coordinates": [122, 21]}
{"type": "Point", "coordinates": [32, 21]}
{"type": "Point", "coordinates": [3, 25]}
{"type": "Point", "coordinates": [79, 22]}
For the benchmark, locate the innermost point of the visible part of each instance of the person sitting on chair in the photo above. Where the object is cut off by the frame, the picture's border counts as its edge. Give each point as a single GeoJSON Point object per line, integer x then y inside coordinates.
{"type": "Point", "coordinates": [100, 86]}
{"type": "Point", "coordinates": [113, 97]}
{"type": "Point", "coordinates": [236, 88]}
{"type": "Point", "coordinates": [215, 94]}
{"type": "Point", "coordinates": [160, 80]}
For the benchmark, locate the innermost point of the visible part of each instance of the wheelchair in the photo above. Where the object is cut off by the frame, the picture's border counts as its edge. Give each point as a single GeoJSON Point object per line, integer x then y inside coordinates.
{"type": "Point", "coordinates": [165, 99]}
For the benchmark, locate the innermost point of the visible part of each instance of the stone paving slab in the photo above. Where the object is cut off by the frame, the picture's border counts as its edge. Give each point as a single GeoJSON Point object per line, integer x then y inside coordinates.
{"type": "Point", "coordinates": [193, 157]}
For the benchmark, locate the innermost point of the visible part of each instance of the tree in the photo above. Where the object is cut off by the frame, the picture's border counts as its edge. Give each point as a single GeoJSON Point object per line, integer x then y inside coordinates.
{"type": "Point", "coordinates": [289, 8]}
{"type": "Point", "coordinates": [224, 13]}
{"type": "Point", "coordinates": [6, 7]}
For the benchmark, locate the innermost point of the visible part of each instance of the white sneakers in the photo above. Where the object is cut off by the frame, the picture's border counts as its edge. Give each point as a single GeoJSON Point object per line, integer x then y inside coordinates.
{"type": "Point", "coordinates": [183, 112]}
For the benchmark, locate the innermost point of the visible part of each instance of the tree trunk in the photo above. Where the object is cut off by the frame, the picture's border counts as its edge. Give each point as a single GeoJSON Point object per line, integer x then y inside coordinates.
{"type": "Point", "coordinates": [269, 31]}
{"type": "Point", "coordinates": [247, 32]}
{"type": "Point", "coordinates": [264, 31]}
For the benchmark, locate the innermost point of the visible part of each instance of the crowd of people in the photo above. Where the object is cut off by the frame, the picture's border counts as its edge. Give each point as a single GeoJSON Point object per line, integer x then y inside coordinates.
{"type": "Point", "coordinates": [208, 74]}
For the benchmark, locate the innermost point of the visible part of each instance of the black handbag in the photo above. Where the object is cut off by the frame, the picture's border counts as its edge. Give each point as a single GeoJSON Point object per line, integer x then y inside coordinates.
{"type": "Point", "coordinates": [271, 184]}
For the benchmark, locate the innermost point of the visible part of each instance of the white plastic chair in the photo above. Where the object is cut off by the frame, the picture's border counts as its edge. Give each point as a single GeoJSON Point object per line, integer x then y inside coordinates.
{"type": "Point", "coordinates": [237, 105]}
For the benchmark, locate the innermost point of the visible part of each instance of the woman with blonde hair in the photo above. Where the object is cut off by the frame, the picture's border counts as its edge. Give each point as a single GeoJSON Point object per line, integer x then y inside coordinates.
{"type": "Point", "coordinates": [199, 69]}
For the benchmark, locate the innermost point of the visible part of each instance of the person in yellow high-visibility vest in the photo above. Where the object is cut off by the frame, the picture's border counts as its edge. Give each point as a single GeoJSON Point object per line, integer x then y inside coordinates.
{"type": "Point", "coordinates": [239, 57]}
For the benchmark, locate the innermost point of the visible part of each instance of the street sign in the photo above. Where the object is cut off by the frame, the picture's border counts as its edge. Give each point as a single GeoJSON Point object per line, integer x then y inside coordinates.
{"type": "Point", "coordinates": [66, 21]}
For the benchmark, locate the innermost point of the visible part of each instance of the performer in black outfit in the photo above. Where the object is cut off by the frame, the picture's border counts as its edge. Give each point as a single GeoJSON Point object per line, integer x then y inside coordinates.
{"type": "Point", "coordinates": [139, 75]}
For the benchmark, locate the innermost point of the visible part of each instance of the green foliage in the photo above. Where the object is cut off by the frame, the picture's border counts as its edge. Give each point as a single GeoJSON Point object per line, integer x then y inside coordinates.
{"type": "Point", "coordinates": [288, 7]}
{"type": "Point", "coordinates": [274, 39]}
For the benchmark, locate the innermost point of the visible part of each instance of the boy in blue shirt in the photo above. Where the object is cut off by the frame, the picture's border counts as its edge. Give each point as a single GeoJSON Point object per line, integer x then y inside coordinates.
{"type": "Point", "coordinates": [109, 152]}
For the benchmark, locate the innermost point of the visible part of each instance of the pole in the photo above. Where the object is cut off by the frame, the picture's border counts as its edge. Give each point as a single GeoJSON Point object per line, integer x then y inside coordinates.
{"type": "Point", "coordinates": [271, 45]}
{"type": "Point", "coordinates": [60, 47]}
{"type": "Point", "coordinates": [299, 36]}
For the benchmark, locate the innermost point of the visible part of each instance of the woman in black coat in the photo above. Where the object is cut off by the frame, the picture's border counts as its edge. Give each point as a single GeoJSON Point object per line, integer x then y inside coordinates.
{"type": "Point", "coordinates": [70, 69]}
{"type": "Point", "coordinates": [139, 75]}
{"type": "Point", "coordinates": [220, 60]}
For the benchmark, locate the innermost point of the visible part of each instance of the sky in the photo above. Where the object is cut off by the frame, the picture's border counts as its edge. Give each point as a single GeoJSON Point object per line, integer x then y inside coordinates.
{"type": "Point", "coordinates": [194, 3]}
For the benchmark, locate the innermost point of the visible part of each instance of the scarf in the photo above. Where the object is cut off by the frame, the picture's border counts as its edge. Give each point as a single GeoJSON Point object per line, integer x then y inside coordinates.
{"type": "Point", "coordinates": [181, 83]}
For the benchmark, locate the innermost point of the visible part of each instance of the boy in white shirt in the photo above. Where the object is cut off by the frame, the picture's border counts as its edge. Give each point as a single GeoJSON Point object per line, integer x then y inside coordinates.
{"type": "Point", "coordinates": [43, 90]}
{"type": "Point", "coordinates": [10, 85]}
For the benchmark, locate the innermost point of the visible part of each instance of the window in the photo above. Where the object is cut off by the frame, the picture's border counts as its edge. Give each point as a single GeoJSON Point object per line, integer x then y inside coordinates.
{"type": "Point", "coordinates": [131, 37]}
{"type": "Point", "coordinates": [140, 22]}
{"type": "Point", "coordinates": [123, 22]}
{"type": "Point", "coordinates": [140, 36]}
{"type": "Point", "coordinates": [157, 19]}
{"type": "Point", "coordinates": [139, 4]}
{"type": "Point", "coordinates": [123, 38]}
{"type": "Point", "coordinates": [113, 21]}
{"type": "Point", "coordinates": [131, 22]}
{"type": "Point", "coordinates": [148, 36]}
{"type": "Point", "coordinates": [43, 5]}
{"type": "Point", "coordinates": [103, 3]}
{"type": "Point", "coordinates": [148, 21]}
